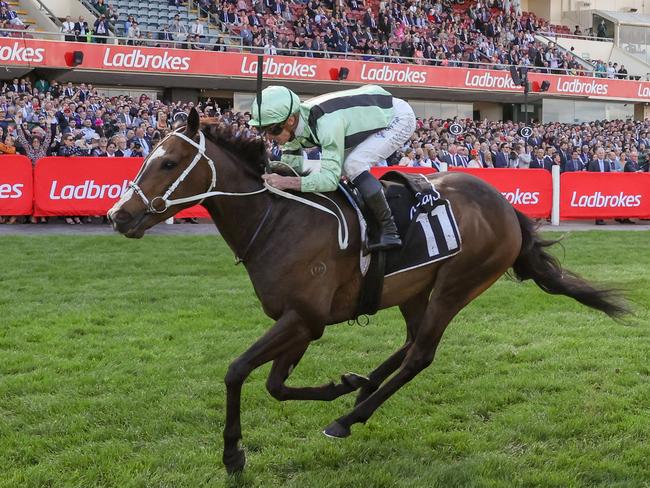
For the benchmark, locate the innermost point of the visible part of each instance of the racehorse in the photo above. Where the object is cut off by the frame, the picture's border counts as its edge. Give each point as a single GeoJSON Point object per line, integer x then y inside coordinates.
{"type": "Point", "coordinates": [305, 282]}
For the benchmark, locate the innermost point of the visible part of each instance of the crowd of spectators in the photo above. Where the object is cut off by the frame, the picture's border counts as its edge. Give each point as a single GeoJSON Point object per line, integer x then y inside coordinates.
{"type": "Point", "coordinates": [9, 19]}
{"type": "Point", "coordinates": [44, 118]}
{"type": "Point", "coordinates": [426, 32]}
{"type": "Point", "coordinates": [175, 35]}
{"type": "Point", "coordinates": [498, 144]}
{"type": "Point", "coordinates": [431, 32]}
{"type": "Point", "coordinates": [81, 31]}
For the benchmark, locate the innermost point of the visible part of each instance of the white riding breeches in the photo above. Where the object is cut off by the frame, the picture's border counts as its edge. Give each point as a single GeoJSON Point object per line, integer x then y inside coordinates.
{"type": "Point", "coordinates": [380, 145]}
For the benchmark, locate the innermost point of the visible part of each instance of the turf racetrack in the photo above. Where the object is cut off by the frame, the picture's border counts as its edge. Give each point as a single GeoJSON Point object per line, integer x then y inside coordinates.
{"type": "Point", "coordinates": [113, 353]}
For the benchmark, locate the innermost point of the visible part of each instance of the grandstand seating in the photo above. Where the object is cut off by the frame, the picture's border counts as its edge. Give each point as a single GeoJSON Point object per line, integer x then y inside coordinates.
{"type": "Point", "coordinates": [154, 15]}
{"type": "Point", "coordinates": [29, 23]}
{"type": "Point", "coordinates": [281, 30]}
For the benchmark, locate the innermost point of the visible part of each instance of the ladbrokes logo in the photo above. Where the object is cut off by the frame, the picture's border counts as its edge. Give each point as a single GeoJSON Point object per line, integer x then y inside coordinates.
{"type": "Point", "coordinates": [643, 91]}
{"type": "Point", "coordinates": [579, 87]}
{"type": "Point", "coordinates": [271, 67]}
{"type": "Point", "coordinates": [21, 54]}
{"type": "Point", "coordinates": [519, 197]}
{"type": "Point", "coordinates": [598, 200]}
{"type": "Point", "coordinates": [9, 191]}
{"type": "Point", "coordinates": [88, 190]}
{"type": "Point", "coordinates": [137, 59]}
{"type": "Point", "coordinates": [388, 74]}
{"type": "Point", "coordinates": [489, 80]}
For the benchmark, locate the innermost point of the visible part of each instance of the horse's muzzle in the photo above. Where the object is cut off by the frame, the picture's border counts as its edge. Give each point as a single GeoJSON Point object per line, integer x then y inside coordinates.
{"type": "Point", "coordinates": [126, 224]}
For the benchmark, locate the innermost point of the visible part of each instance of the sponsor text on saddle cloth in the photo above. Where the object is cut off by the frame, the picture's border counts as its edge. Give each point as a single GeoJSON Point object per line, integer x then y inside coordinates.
{"type": "Point", "coordinates": [424, 219]}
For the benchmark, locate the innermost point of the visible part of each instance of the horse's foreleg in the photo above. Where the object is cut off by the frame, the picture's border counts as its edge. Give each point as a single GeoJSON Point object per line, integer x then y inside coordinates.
{"type": "Point", "coordinates": [282, 368]}
{"type": "Point", "coordinates": [286, 334]}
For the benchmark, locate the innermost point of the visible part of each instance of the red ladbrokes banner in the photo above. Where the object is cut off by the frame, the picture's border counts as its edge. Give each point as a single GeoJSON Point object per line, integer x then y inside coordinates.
{"type": "Point", "coordinates": [379, 171]}
{"type": "Point", "coordinates": [90, 186]}
{"type": "Point", "coordinates": [55, 54]}
{"type": "Point", "coordinates": [85, 185]}
{"type": "Point", "coordinates": [16, 190]}
{"type": "Point", "coordinates": [604, 195]}
{"type": "Point", "coordinates": [528, 190]}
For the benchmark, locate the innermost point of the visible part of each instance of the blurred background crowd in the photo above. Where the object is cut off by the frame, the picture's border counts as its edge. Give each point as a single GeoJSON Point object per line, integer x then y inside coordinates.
{"type": "Point", "coordinates": [428, 32]}
{"type": "Point", "coordinates": [75, 120]}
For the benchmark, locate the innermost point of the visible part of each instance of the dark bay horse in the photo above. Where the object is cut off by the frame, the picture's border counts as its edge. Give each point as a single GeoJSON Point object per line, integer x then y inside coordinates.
{"type": "Point", "coordinates": [305, 282]}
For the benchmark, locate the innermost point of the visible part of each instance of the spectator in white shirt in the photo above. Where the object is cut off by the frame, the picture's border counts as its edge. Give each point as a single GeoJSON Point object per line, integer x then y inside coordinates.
{"type": "Point", "coordinates": [68, 29]}
{"type": "Point", "coordinates": [474, 161]}
{"type": "Point", "coordinates": [178, 31]}
{"type": "Point", "coordinates": [133, 33]}
{"type": "Point", "coordinates": [87, 130]}
{"type": "Point", "coordinates": [196, 27]}
{"type": "Point", "coordinates": [408, 158]}
{"type": "Point", "coordinates": [269, 48]}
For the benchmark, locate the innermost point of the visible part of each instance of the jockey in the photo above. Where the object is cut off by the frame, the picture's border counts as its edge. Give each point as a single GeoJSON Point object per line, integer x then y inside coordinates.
{"type": "Point", "coordinates": [355, 129]}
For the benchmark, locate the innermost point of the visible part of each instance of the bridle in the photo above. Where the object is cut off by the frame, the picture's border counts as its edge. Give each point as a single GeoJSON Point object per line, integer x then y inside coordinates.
{"type": "Point", "coordinates": [200, 154]}
{"type": "Point", "coordinates": [152, 205]}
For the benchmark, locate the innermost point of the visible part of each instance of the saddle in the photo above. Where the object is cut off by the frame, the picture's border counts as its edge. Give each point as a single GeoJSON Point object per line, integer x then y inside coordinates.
{"type": "Point", "coordinates": [426, 226]}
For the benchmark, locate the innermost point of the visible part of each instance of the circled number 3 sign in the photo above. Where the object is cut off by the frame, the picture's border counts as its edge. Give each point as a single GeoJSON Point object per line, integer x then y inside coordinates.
{"type": "Point", "coordinates": [455, 129]}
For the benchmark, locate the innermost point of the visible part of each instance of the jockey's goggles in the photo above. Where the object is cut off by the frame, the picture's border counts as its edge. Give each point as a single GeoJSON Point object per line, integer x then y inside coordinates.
{"type": "Point", "coordinates": [275, 129]}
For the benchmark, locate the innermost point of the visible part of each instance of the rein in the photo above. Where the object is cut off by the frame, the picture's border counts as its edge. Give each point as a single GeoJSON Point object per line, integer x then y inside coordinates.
{"type": "Point", "coordinates": [342, 230]}
{"type": "Point", "coordinates": [166, 202]}
{"type": "Point", "coordinates": [239, 260]}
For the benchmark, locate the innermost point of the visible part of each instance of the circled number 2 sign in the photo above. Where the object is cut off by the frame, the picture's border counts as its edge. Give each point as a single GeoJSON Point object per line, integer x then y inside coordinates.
{"type": "Point", "coordinates": [526, 132]}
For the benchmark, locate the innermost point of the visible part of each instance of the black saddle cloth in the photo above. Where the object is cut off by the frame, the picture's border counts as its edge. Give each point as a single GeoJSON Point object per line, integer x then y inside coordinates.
{"type": "Point", "coordinates": [428, 233]}
{"type": "Point", "coordinates": [426, 226]}
{"type": "Point", "coordinates": [424, 220]}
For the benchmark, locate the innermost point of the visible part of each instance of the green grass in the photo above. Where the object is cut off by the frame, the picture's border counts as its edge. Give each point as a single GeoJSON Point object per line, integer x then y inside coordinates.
{"type": "Point", "coordinates": [113, 352]}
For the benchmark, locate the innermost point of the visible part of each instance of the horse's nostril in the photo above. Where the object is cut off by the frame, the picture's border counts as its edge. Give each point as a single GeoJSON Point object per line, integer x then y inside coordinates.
{"type": "Point", "coordinates": [120, 217]}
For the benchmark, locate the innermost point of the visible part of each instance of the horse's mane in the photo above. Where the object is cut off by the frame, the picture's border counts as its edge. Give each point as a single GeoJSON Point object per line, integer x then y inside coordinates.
{"type": "Point", "coordinates": [250, 150]}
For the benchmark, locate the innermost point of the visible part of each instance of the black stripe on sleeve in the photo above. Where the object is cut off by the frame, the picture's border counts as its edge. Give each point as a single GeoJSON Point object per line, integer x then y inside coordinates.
{"type": "Point", "coordinates": [341, 103]}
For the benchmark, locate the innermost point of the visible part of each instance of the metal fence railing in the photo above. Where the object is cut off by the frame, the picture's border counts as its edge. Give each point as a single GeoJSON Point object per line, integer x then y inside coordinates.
{"type": "Point", "coordinates": [572, 36]}
{"type": "Point", "coordinates": [44, 8]}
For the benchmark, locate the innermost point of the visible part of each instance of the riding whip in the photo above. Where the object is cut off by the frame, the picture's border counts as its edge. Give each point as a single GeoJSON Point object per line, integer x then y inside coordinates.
{"type": "Point", "coordinates": [260, 79]}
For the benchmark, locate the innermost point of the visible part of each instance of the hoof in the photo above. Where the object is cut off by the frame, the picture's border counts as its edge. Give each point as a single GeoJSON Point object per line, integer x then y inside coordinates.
{"type": "Point", "coordinates": [235, 462]}
{"type": "Point", "coordinates": [336, 430]}
{"type": "Point", "coordinates": [354, 381]}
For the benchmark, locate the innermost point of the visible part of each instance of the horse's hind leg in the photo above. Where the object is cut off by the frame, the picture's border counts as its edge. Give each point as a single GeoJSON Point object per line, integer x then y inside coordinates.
{"type": "Point", "coordinates": [282, 368]}
{"type": "Point", "coordinates": [445, 303]}
{"type": "Point", "coordinates": [413, 311]}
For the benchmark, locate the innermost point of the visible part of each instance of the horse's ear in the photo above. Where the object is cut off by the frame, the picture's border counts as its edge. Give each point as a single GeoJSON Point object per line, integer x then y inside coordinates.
{"type": "Point", "coordinates": [193, 123]}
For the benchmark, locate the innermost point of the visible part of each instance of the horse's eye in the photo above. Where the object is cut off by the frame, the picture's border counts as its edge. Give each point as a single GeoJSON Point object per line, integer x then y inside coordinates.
{"type": "Point", "coordinates": [169, 165]}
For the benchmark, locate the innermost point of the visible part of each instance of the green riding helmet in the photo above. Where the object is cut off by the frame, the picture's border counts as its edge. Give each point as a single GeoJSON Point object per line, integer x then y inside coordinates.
{"type": "Point", "coordinates": [278, 103]}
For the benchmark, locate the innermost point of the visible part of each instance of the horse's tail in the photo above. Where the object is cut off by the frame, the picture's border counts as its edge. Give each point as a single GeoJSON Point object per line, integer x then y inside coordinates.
{"type": "Point", "coordinates": [535, 263]}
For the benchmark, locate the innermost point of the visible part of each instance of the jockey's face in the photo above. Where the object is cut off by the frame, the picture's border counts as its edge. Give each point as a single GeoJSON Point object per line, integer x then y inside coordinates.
{"type": "Point", "coordinates": [288, 131]}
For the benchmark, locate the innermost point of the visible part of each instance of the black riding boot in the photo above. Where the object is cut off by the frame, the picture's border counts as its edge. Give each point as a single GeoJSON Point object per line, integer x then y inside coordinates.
{"type": "Point", "coordinates": [373, 195]}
